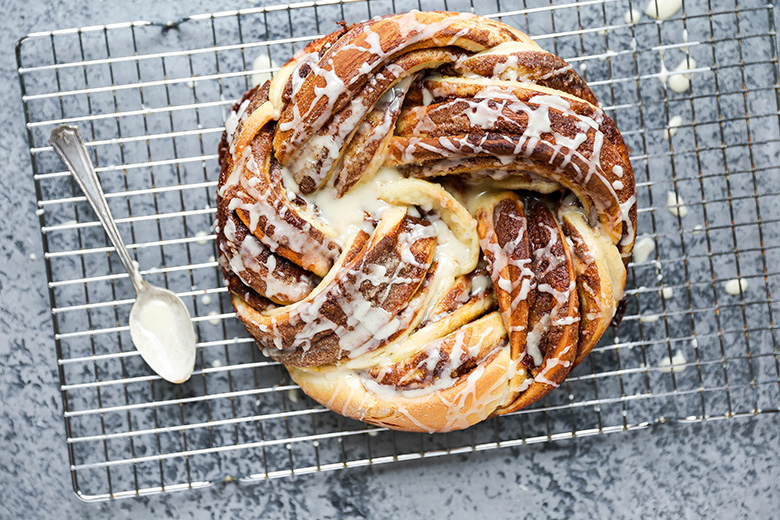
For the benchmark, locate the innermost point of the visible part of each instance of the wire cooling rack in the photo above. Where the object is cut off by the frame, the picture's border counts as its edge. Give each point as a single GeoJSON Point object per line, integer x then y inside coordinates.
{"type": "Point", "coordinates": [150, 98]}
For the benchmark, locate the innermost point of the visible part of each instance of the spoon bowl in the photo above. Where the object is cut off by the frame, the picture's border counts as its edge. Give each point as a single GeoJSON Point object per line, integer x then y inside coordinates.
{"type": "Point", "coordinates": [159, 317]}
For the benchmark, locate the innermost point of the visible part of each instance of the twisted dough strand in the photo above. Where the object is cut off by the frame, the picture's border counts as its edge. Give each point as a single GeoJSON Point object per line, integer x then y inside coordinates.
{"type": "Point", "coordinates": [425, 217]}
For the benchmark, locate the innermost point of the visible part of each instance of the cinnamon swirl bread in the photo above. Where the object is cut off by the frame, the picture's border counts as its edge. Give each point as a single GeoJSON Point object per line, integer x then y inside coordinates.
{"type": "Point", "coordinates": [426, 217]}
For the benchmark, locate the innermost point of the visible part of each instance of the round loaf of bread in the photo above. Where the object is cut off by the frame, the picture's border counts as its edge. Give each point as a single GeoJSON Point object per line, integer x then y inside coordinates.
{"type": "Point", "coordinates": [426, 217]}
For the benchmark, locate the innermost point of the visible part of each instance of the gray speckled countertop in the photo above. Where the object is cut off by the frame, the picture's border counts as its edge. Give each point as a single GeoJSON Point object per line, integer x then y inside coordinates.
{"type": "Point", "coordinates": [720, 469]}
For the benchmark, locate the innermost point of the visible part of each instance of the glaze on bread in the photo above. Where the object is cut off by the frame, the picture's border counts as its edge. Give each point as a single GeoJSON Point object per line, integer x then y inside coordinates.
{"type": "Point", "coordinates": [426, 218]}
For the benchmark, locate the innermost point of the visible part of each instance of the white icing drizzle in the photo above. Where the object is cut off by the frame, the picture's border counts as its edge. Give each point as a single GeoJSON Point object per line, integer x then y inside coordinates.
{"type": "Point", "coordinates": [339, 134]}
{"type": "Point", "coordinates": [507, 66]}
{"type": "Point", "coordinates": [247, 257]}
{"type": "Point", "coordinates": [663, 75]}
{"type": "Point", "coordinates": [460, 351]}
{"type": "Point", "coordinates": [469, 397]}
{"type": "Point", "coordinates": [550, 364]}
{"type": "Point", "coordinates": [296, 239]}
{"type": "Point", "coordinates": [366, 323]}
{"type": "Point", "coordinates": [561, 298]}
{"type": "Point", "coordinates": [674, 125]}
{"type": "Point", "coordinates": [231, 124]}
{"type": "Point", "coordinates": [500, 259]}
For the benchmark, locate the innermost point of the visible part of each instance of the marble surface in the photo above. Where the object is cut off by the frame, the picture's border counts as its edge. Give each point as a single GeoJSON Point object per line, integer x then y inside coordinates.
{"type": "Point", "coordinates": [721, 469]}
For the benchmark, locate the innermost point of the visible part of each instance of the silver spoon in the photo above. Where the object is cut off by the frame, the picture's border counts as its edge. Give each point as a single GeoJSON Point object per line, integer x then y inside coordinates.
{"type": "Point", "coordinates": [160, 324]}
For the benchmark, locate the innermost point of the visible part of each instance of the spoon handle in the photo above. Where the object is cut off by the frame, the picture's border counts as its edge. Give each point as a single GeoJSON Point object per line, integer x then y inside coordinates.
{"type": "Point", "coordinates": [66, 141]}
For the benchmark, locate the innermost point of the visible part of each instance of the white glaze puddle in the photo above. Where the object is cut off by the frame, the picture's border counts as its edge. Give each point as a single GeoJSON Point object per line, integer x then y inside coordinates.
{"type": "Point", "coordinates": [202, 238]}
{"type": "Point", "coordinates": [632, 16]}
{"type": "Point", "coordinates": [676, 364]}
{"type": "Point", "coordinates": [642, 249]}
{"type": "Point", "coordinates": [662, 9]}
{"type": "Point", "coordinates": [735, 286]}
{"type": "Point", "coordinates": [674, 126]}
{"type": "Point", "coordinates": [347, 214]}
{"type": "Point", "coordinates": [680, 79]}
{"type": "Point", "coordinates": [675, 204]}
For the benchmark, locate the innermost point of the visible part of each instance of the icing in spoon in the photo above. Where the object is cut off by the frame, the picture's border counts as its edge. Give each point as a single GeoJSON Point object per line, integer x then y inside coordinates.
{"type": "Point", "coordinates": [160, 324]}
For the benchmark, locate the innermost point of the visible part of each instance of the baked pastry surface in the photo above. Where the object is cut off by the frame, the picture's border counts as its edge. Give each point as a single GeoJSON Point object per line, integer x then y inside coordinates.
{"type": "Point", "coordinates": [426, 218]}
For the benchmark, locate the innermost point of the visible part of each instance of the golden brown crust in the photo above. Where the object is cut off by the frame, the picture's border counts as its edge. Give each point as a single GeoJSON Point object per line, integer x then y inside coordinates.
{"type": "Point", "coordinates": [353, 307]}
{"type": "Point", "coordinates": [449, 129]}
{"type": "Point", "coordinates": [553, 320]}
{"type": "Point", "coordinates": [600, 278]}
{"type": "Point", "coordinates": [314, 161]}
{"type": "Point", "coordinates": [465, 402]}
{"type": "Point", "coordinates": [268, 274]}
{"type": "Point", "coordinates": [530, 65]}
{"type": "Point", "coordinates": [363, 155]}
{"type": "Point", "coordinates": [460, 293]}
{"type": "Point", "coordinates": [345, 66]}
{"type": "Point", "coordinates": [503, 234]}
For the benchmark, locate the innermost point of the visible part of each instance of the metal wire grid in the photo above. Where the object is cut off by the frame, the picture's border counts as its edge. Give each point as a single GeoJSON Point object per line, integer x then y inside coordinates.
{"type": "Point", "coordinates": [150, 99]}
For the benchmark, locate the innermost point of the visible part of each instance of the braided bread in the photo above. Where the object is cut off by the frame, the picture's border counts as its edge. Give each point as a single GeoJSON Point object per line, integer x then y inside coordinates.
{"type": "Point", "coordinates": [426, 218]}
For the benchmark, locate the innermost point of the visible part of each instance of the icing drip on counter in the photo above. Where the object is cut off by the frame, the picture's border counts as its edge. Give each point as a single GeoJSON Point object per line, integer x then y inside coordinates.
{"type": "Point", "coordinates": [263, 65]}
{"type": "Point", "coordinates": [675, 204]}
{"type": "Point", "coordinates": [632, 16]}
{"type": "Point", "coordinates": [736, 286]}
{"type": "Point", "coordinates": [675, 364]}
{"type": "Point", "coordinates": [663, 9]}
{"type": "Point", "coordinates": [680, 78]}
